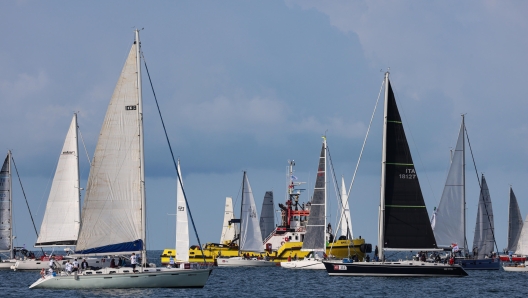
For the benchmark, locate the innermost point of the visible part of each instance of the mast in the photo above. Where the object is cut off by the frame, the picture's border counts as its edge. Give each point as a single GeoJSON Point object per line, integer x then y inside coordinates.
{"type": "Point", "coordinates": [325, 198]}
{"type": "Point", "coordinates": [464, 183]}
{"type": "Point", "coordinates": [381, 220]}
{"type": "Point", "coordinates": [141, 153]}
{"type": "Point", "coordinates": [11, 253]}
{"type": "Point", "coordinates": [78, 184]}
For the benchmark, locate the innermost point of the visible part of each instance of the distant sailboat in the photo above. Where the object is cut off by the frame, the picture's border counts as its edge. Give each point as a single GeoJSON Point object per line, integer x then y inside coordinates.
{"type": "Point", "coordinates": [315, 237]}
{"type": "Point", "coordinates": [229, 231]}
{"type": "Point", "coordinates": [6, 216]}
{"type": "Point", "coordinates": [450, 216]}
{"type": "Point", "coordinates": [62, 218]}
{"type": "Point", "coordinates": [403, 220]}
{"type": "Point", "coordinates": [521, 250]}
{"type": "Point", "coordinates": [515, 222]}
{"type": "Point", "coordinates": [267, 216]}
{"type": "Point", "coordinates": [250, 239]}
{"type": "Point", "coordinates": [182, 224]}
{"type": "Point", "coordinates": [114, 213]}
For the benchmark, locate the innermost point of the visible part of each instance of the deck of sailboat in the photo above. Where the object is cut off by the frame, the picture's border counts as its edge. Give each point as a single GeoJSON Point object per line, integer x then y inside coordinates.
{"type": "Point", "coordinates": [115, 278]}
{"type": "Point", "coordinates": [394, 269]}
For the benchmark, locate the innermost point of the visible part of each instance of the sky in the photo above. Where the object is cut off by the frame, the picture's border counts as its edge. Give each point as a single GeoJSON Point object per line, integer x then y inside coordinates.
{"type": "Point", "coordinates": [249, 85]}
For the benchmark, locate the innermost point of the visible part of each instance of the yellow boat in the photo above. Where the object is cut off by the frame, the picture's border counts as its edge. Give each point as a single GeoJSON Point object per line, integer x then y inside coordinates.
{"type": "Point", "coordinates": [285, 242]}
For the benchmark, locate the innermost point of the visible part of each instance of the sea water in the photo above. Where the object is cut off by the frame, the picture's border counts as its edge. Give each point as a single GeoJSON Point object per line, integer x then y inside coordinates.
{"type": "Point", "coordinates": [281, 282]}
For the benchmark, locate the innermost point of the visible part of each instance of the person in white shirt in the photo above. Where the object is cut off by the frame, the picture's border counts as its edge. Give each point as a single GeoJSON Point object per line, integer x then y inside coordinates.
{"type": "Point", "coordinates": [133, 261]}
{"type": "Point", "coordinates": [75, 265]}
{"type": "Point", "coordinates": [69, 267]}
{"type": "Point", "coordinates": [51, 262]}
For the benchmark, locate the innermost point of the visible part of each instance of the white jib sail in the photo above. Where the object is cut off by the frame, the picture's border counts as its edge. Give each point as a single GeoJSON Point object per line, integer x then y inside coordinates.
{"type": "Point", "coordinates": [250, 235]}
{"type": "Point", "coordinates": [113, 205]}
{"type": "Point", "coordinates": [346, 222]}
{"type": "Point", "coordinates": [228, 231]}
{"type": "Point", "coordinates": [449, 216]}
{"type": "Point", "coordinates": [182, 223]}
{"type": "Point", "coordinates": [522, 244]}
{"type": "Point", "coordinates": [60, 225]}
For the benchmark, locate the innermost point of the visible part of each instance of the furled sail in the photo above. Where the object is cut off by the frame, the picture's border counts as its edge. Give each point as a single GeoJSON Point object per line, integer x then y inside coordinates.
{"type": "Point", "coordinates": [515, 223]}
{"type": "Point", "coordinates": [228, 231]}
{"type": "Point", "coordinates": [484, 240]}
{"type": "Point", "coordinates": [61, 222]}
{"type": "Point", "coordinates": [112, 210]}
{"type": "Point", "coordinates": [346, 222]}
{"type": "Point", "coordinates": [182, 223]}
{"type": "Point", "coordinates": [267, 218]}
{"type": "Point", "coordinates": [406, 222]}
{"type": "Point", "coordinates": [6, 223]}
{"type": "Point", "coordinates": [449, 216]}
{"type": "Point", "coordinates": [250, 236]}
{"type": "Point", "coordinates": [315, 237]}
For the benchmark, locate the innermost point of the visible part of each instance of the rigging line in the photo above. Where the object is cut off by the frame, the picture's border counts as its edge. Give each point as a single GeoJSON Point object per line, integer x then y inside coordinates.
{"type": "Point", "coordinates": [173, 159]}
{"type": "Point", "coordinates": [84, 145]}
{"type": "Point", "coordinates": [24, 193]}
{"type": "Point", "coordinates": [365, 141]}
{"type": "Point", "coordinates": [336, 188]}
{"type": "Point", "coordinates": [481, 192]}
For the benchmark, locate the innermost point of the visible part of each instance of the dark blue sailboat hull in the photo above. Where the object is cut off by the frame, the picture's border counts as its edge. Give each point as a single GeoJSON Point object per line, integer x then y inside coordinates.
{"type": "Point", "coordinates": [479, 264]}
{"type": "Point", "coordinates": [395, 269]}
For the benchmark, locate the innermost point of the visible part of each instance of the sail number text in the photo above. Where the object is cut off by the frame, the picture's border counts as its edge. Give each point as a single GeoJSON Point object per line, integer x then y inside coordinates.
{"type": "Point", "coordinates": [409, 174]}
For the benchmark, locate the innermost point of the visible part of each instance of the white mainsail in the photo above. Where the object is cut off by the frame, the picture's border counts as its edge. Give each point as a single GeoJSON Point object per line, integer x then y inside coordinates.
{"type": "Point", "coordinates": [484, 239]}
{"type": "Point", "coordinates": [515, 222]}
{"type": "Point", "coordinates": [228, 231]}
{"type": "Point", "coordinates": [6, 223]}
{"type": "Point", "coordinates": [449, 220]}
{"type": "Point", "coordinates": [346, 224]}
{"type": "Point", "coordinates": [182, 223]}
{"type": "Point", "coordinates": [250, 235]}
{"type": "Point", "coordinates": [112, 211]}
{"type": "Point", "coordinates": [61, 222]}
{"type": "Point", "coordinates": [522, 244]}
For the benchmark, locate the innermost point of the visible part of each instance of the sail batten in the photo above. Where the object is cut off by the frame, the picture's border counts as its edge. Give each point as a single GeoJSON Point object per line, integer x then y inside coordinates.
{"type": "Point", "coordinates": [406, 222]}
{"type": "Point", "coordinates": [112, 211]}
{"type": "Point", "coordinates": [315, 236]}
{"type": "Point", "coordinates": [61, 222]}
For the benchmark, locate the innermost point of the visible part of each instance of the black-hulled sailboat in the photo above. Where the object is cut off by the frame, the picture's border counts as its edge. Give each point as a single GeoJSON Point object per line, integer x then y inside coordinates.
{"type": "Point", "coordinates": [403, 220]}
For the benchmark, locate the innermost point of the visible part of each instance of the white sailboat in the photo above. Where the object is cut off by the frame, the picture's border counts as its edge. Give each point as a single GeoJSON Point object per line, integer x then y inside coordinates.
{"type": "Point", "coordinates": [250, 238]}
{"type": "Point", "coordinates": [62, 218]}
{"type": "Point", "coordinates": [315, 237]}
{"type": "Point", "coordinates": [403, 220]}
{"type": "Point", "coordinates": [6, 216]}
{"type": "Point", "coordinates": [450, 216]}
{"type": "Point", "coordinates": [229, 231]}
{"type": "Point", "coordinates": [522, 250]}
{"type": "Point", "coordinates": [114, 213]}
{"type": "Point", "coordinates": [182, 225]}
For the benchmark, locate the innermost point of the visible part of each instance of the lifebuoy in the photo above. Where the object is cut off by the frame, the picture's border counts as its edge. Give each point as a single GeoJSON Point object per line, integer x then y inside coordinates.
{"type": "Point", "coordinates": [286, 239]}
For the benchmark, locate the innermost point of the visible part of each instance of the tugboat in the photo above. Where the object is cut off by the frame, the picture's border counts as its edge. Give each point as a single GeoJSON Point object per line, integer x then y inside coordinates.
{"type": "Point", "coordinates": [285, 241]}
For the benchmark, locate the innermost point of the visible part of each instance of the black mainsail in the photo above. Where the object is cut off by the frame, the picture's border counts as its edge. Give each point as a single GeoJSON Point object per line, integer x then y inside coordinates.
{"type": "Point", "coordinates": [406, 221]}
{"type": "Point", "coordinates": [515, 223]}
{"type": "Point", "coordinates": [314, 239]}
